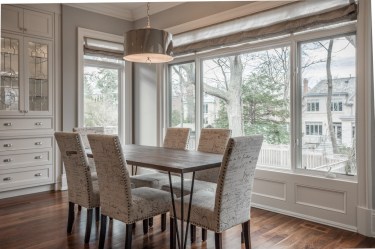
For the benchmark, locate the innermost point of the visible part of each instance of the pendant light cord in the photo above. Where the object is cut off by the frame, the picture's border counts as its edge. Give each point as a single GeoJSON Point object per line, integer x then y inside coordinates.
{"type": "Point", "coordinates": [148, 16]}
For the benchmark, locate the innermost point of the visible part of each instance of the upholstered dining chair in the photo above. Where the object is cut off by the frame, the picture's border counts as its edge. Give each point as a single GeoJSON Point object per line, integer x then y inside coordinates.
{"type": "Point", "coordinates": [211, 140]}
{"type": "Point", "coordinates": [117, 199]}
{"type": "Point", "coordinates": [82, 189]}
{"type": "Point", "coordinates": [83, 131]}
{"type": "Point", "coordinates": [175, 138]}
{"type": "Point", "coordinates": [230, 204]}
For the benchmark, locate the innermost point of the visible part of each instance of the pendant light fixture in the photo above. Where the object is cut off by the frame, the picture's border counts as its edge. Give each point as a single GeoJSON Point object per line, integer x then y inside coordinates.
{"type": "Point", "coordinates": [148, 45]}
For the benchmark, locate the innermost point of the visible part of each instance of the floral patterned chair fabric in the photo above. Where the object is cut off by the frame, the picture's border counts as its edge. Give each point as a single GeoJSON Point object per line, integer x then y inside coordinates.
{"type": "Point", "coordinates": [82, 188]}
{"type": "Point", "coordinates": [230, 204]}
{"type": "Point", "coordinates": [117, 199]}
{"type": "Point", "coordinates": [211, 140]}
{"type": "Point", "coordinates": [175, 138]}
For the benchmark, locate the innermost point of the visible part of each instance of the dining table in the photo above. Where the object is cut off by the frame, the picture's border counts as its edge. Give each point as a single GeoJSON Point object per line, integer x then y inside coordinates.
{"type": "Point", "coordinates": [174, 161]}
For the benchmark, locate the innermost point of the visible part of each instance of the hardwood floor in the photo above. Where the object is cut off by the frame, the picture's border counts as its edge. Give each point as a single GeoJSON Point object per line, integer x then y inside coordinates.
{"type": "Point", "coordinates": [39, 221]}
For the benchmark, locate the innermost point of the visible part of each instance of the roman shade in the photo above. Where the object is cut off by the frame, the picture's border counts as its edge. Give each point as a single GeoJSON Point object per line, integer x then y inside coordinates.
{"type": "Point", "coordinates": [103, 48]}
{"type": "Point", "coordinates": [283, 20]}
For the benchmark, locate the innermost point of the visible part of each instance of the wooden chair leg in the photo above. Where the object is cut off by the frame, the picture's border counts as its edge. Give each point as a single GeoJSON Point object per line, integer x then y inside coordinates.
{"type": "Point", "coordinates": [204, 234]}
{"type": "Point", "coordinates": [70, 217]}
{"type": "Point", "coordinates": [151, 222]}
{"type": "Point", "coordinates": [97, 214]}
{"type": "Point", "coordinates": [193, 233]}
{"type": "Point", "coordinates": [103, 230]}
{"type": "Point", "coordinates": [246, 234]}
{"type": "Point", "coordinates": [218, 241]}
{"type": "Point", "coordinates": [163, 222]}
{"type": "Point", "coordinates": [172, 234]}
{"type": "Point", "coordinates": [128, 237]}
{"type": "Point", "coordinates": [145, 226]}
{"type": "Point", "coordinates": [88, 225]}
{"type": "Point", "coordinates": [79, 208]}
{"type": "Point", "coordinates": [242, 239]}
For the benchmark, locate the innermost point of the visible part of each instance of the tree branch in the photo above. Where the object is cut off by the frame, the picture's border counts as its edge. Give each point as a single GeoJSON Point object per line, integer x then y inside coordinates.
{"type": "Point", "coordinates": [215, 92]}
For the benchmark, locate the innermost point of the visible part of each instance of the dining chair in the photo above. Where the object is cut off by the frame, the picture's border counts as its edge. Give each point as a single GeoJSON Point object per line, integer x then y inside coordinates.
{"type": "Point", "coordinates": [82, 189]}
{"type": "Point", "coordinates": [211, 140]}
{"type": "Point", "coordinates": [83, 131]}
{"type": "Point", "coordinates": [117, 199]}
{"type": "Point", "coordinates": [175, 138]}
{"type": "Point", "coordinates": [230, 204]}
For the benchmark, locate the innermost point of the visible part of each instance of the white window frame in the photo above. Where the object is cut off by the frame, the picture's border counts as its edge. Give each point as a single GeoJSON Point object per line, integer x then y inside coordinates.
{"type": "Point", "coordinates": [124, 91]}
{"type": "Point", "coordinates": [295, 88]}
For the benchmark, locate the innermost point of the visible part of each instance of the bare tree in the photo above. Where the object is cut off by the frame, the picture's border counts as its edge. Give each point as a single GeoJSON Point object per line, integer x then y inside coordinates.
{"type": "Point", "coordinates": [230, 89]}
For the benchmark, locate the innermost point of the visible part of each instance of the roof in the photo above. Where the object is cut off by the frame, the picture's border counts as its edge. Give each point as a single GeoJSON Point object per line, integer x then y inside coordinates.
{"type": "Point", "coordinates": [341, 86]}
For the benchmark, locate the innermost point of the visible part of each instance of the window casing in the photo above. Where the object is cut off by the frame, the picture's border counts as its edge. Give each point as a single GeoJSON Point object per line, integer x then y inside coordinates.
{"type": "Point", "coordinates": [295, 160]}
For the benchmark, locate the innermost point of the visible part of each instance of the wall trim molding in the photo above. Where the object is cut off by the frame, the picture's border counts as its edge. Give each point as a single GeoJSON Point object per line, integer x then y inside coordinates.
{"type": "Point", "coordinates": [27, 191]}
{"type": "Point", "coordinates": [366, 221]}
{"type": "Point", "coordinates": [306, 217]}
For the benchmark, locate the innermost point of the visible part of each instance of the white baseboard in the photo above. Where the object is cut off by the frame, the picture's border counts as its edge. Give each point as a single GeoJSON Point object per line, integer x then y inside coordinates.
{"type": "Point", "coordinates": [365, 221]}
{"type": "Point", "coordinates": [306, 217]}
{"type": "Point", "coordinates": [26, 191]}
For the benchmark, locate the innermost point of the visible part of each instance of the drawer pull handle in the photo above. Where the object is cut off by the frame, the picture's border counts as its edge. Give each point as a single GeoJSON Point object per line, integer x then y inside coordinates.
{"type": "Point", "coordinates": [38, 143]}
{"type": "Point", "coordinates": [8, 124]}
{"type": "Point", "coordinates": [38, 123]}
{"type": "Point", "coordinates": [38, 174]}
{"type": "Point", "coordinates": [38, 157]}
{"type": "Point", "coordinates": [7, 145]}
{"type": "Point", "coordinates": [7, 178]}
{"type": "Point", "coordinates": [7, 160]}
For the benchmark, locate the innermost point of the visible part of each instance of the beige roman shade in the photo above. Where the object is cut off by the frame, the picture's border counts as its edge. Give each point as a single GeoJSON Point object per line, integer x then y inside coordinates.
{"type": "Point", "coordinates": [103, 48]}
{"type": "Point", "coordinates": [283, 20]}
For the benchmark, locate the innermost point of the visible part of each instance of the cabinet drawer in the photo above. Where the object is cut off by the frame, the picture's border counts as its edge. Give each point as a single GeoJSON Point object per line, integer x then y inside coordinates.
{"type": "Point", "coordinates": [25, 124]}
{"type": "Point", "coordinates": [15, 159]}
{"type": "Point", "coordinates": [33, 176]}
{"type": "Point", "coordinates": [25, 143]}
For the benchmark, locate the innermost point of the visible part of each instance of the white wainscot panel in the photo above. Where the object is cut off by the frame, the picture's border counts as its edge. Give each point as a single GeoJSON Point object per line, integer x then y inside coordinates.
{"type": "Point", "coordinates": [270, 188]}
{"type": "Point", "coordinates": [327, 199]}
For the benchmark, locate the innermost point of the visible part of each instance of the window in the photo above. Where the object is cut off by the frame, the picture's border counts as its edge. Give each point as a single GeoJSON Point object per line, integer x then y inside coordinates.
{"type": "Point", "coordinates": [102, 87]}
{"type": "Point", "coordinates": [102, 77]}
{"type": "Point", "coordinates": [249, 94]}
{"type": "Point", "coordinates": [182, 98]}
{"type": "Point", "coordinates": [337, 129]}
{"type": "Point", "coordinates": [313, 106]}
{"type": "Point", "coordinates": [328, 66]}
{"type": "Point", "coordinates": [314, 128]}
{"type": "Point", "coordinates": [248, 90]}
{"type": "Point", "coordinates": [336, 106]}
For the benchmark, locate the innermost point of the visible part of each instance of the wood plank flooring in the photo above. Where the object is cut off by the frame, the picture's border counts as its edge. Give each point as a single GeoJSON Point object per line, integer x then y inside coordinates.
{"type": "Point", "coordinates": [39, 221]}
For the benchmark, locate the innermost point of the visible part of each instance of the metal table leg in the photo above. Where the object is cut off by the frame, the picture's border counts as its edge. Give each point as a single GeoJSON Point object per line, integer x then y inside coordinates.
{"type": "Point", "coordinates": [182, 240]}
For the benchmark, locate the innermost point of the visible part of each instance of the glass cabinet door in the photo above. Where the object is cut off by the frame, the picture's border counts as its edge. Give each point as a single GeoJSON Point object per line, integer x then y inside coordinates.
{"type": "Point", "coordinates": [11, 98]}
{"type": "Point", "coordinates": [38, 76]}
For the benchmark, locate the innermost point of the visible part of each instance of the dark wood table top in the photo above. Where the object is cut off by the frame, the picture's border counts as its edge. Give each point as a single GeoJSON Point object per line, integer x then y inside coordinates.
{"type": "Point", "coordinates": [176, 161]}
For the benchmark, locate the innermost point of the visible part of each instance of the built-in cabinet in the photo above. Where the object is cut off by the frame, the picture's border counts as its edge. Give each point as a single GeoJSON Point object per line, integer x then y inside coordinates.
{"type": "Point", "coordinates": [26, 98]}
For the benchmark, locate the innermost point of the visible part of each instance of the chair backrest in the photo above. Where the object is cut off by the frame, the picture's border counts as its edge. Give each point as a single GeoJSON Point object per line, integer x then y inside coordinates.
{"type": "Point", "coordinates": [212, 140]}
{"type": "Point", "coordinates": [113, 176]}
{"type": "Point", "coordinates": [177, 138]}
{"type": "Point", "coordinates": [235, 183]}
{"type": "Point", "coordinates": [83, 131]}
{"type": "Point", "coordinates": [77, 169]}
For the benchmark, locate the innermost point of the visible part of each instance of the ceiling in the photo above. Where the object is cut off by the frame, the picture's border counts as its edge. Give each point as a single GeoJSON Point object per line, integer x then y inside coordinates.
{"type": "Point", "coordinates": [130, 11]}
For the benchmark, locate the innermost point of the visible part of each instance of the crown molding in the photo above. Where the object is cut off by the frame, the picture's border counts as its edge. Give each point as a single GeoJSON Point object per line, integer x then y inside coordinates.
{"type": "Point", "coordinates": [119, 11]}
{"type": "Point", "coordinates": [141, 12]}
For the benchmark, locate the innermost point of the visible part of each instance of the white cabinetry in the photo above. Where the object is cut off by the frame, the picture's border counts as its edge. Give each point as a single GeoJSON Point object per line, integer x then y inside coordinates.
{"type": "Point", "coordinates": [26, 99]}
{"type": "Point", "coordinates": [25, 21]}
